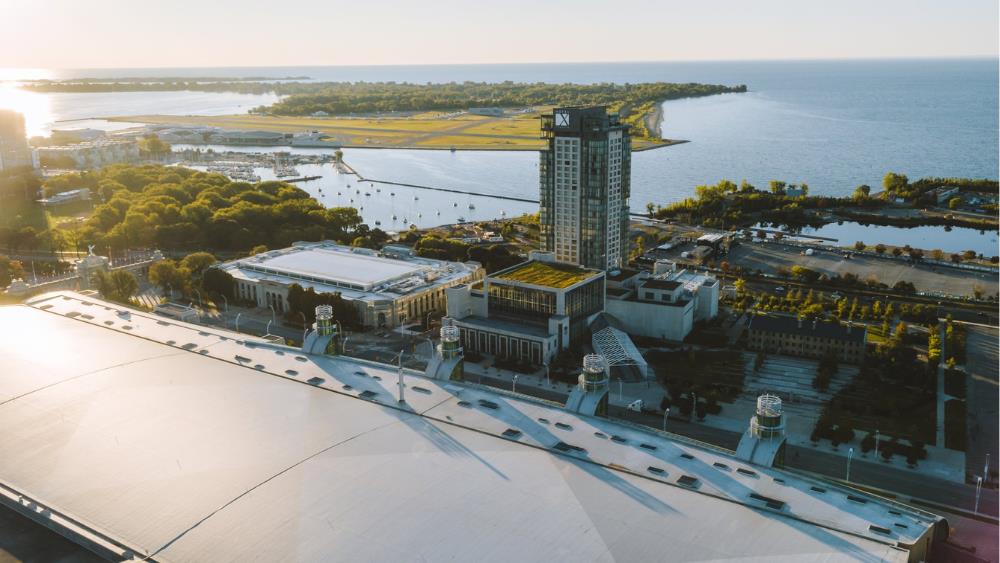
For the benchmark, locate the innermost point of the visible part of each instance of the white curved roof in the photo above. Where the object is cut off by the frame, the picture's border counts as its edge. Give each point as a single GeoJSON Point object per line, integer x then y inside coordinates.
{"type": "Point", "coordinates": [185, 444]}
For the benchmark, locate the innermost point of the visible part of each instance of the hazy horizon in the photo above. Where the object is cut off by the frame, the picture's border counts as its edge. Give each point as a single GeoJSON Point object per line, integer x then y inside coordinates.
{"type": "Point", "coordinates": [61, 34]}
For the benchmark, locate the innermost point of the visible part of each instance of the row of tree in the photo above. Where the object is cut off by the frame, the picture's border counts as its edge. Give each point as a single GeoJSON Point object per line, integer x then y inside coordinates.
{"type": "Point", "coordinates": [338, 98]}
{"type": "Point", "coordinates": [174, 208]}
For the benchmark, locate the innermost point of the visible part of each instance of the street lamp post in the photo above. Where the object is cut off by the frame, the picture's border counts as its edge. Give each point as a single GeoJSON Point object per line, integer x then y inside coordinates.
{"type": "Point", "coordinates": [986, 469]}
{"type": "Point", "coordinates": [850, 454]}
{"type": "Point", "coordinates": [666, 414]}
{"type": "Point", "coordinates": [225, 302]}
{"type": "Point", "coordinates": [305, 327]}
{"type": "Point", "coordinates": [274, 316]}
{"type": "Point", "coordinates": [979, 487]}
{"type": "Point", "coordinates": [547, 380]}
{"type": "Point", "coordinates": [268, 329]}
{"type": "Point", "coordinates": [238, 321]}
{"type": "Point", "coordinates": [621, 390]}
{"type": "Point", "coordinates": [513, 384]}
{"type": "Point", "coordinates": [876, 445]}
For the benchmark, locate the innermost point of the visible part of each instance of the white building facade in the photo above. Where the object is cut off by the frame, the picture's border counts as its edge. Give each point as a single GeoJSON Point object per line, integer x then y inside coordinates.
{"type": "Point", "coordinates": [389, 288]}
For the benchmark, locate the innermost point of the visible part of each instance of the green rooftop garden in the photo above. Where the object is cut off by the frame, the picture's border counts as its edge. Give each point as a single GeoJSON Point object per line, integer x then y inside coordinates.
{"type": "Point", "coordinates": [547, 274]}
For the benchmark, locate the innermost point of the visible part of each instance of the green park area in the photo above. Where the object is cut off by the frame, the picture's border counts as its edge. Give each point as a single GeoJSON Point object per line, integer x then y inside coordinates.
{"type": "Point", "coordinates": [428, 116]}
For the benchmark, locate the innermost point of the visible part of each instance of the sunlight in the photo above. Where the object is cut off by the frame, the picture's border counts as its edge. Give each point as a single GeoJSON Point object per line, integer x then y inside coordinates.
{"type": "Point", "coordinates": [35, 107]}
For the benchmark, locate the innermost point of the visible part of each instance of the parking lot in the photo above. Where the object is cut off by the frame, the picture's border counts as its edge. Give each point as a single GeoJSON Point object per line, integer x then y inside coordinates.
{"type": "Point", "coordinates": [768, 258]}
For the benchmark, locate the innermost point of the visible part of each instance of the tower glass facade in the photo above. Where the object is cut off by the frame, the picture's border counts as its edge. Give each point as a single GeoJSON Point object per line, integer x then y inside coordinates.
{"type": "Point", "coordinates": [584, 178]}
{"type": "Point", "coordinates": [14, 150]}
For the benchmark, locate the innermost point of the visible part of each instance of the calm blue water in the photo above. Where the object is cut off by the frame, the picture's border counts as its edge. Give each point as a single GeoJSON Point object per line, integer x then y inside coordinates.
{"type": "Point", "coordinates": [831, 124]}
{"type": "Point", "coordinates": [954, 240]}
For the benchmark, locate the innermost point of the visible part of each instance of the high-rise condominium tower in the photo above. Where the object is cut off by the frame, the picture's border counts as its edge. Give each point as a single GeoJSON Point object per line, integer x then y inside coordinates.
{"type": "Point", "coordinates": [584, 174]}
{"type": "Point", "coordinates": [14, 151]}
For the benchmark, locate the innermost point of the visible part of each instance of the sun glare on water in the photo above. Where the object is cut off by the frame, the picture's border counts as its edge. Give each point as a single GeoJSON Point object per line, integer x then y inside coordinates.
{"type": "Point", "coordinates": [35, 107]}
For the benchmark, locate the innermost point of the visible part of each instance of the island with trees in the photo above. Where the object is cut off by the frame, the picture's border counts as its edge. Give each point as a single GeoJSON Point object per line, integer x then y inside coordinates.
{"type": "Point", "coordinates": [727, 205]}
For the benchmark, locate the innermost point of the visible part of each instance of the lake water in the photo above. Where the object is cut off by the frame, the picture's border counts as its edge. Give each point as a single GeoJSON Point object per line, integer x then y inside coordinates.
{"type": "Point", "coordinates": [831, 124]}
{"type": "Point", "coordinates": [930, 238]}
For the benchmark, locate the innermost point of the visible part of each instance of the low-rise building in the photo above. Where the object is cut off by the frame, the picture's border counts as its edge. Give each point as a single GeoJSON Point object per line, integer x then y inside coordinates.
{"type": "Point", "coordinates": [664, 304]}
{"type": "Point", "coordinates": [528, 312]}
{"type": "Point", "coordinates": [489, 112]}
{"type": "Point", "coordinates": [90, 154]}
{"type": "Point", "coordinates": [810, 339]}
{"type": "Point", "coordinates": [388, 288]}
{"type": "Point", "coordinates": [255, 138]}
{"type": "Point", "coordinates": [63, 198]}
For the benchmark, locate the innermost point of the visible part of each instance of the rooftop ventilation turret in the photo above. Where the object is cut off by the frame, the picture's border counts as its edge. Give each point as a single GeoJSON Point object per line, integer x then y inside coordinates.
{"type": "Point", "coordinates": [590, 396]}
{"type": "Point", "coordinates": [324, 320]}
{"type": "Point", "coordinates": [448, 363]}
{"type": "Point", "coordinates": [764, 442]}
{"type": "Point", "coordinates": [325, 336]}
{"type": "Point", "coordinates": [767, 422]}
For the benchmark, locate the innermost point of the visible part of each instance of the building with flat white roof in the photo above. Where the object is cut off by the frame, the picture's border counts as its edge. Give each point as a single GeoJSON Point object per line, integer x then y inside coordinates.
{"type": "Point", "coordinates": [152, 438]}
{"type": "Point", "coordinates": [389, 288]}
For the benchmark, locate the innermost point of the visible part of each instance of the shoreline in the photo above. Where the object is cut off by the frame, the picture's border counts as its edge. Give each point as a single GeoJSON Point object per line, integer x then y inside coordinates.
{"type": "Point", "coordinates": [412, 137]}
{"type": "Point", "coordinates": [654, 120]}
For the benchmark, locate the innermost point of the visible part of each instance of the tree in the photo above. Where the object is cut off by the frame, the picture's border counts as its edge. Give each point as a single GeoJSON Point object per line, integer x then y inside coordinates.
{"type": "Point", "coordinates": [777, 187]}
{"type": "Point", "coordinates": [862, 192]}
{"type": "Point", "coordinates": [896, 251]}
{"type": "Point", "coordinates": [867, 443]}
{"type": "Point", "coordinates": [937, 254]}
{"type": "Point", "coordinates": [197, 263]}
{"type": "Point", "coordinates": [152, 146]}
{"type": "Point", "coordinates": [880, 248]}
{"type": "Point", "coordinates": [169, 276]}
{"type": "Point", "coordinates": [118, 285]}
{"type": "Point", "coordinates": [650, 208]}
{"type": "Point", "coordinates": [220, 282]}
{"type": "Point", "coordinates": [893, 182]}
{"type": "Point", "coordinates": [859, 246]}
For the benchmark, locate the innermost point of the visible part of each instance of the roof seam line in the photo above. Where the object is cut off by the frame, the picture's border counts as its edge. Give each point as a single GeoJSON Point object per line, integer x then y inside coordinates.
{"type": "Point", "coordinates": [264, 482]}
{"type": "Point", "coordinates": [79, 375]}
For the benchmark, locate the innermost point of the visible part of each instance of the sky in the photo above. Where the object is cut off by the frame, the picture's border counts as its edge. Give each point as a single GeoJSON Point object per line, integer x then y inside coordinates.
{"type": "Point", "coordinates": [62, 34]}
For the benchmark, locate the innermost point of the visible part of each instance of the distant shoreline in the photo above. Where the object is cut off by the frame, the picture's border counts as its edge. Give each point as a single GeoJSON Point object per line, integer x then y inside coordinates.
{"type": "Point", "coordinates": [476, 133]}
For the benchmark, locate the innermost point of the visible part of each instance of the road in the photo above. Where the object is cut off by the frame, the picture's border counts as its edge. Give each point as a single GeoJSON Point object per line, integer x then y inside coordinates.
{"type": "Point", "coordinates": [981, 400]}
